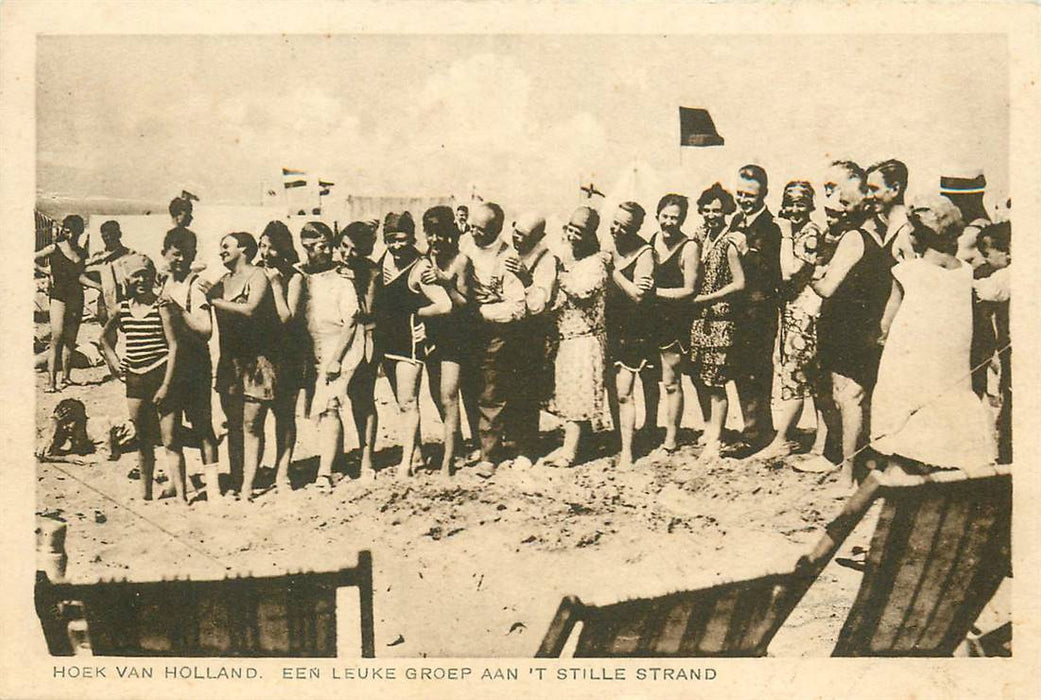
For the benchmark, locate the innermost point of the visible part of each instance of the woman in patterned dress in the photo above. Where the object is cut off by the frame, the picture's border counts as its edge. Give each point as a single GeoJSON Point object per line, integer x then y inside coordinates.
{"type": "Point", "coordinates": [580, 369]}
{"type": "Point", "coordinates": [712, 331]}
{"type": "Point", "coordinates": [797, 367]}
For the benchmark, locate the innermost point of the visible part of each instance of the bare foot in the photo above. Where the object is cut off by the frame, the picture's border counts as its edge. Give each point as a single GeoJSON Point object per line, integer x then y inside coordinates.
{"type": "Point", "coordinates": [710, 453]}
{"type": "Point", "coordinates": [775, 450]}
{"type": "Point", "coordinates": [624, 461]}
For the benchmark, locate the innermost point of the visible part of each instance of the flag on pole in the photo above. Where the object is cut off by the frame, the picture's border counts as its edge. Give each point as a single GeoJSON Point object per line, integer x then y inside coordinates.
{"type": "Point", "coordinates": [697, 128]}
{"type": "Point", "coordinates": [323, 187]}
{"type": "Point", "coordinates": [293, 178]}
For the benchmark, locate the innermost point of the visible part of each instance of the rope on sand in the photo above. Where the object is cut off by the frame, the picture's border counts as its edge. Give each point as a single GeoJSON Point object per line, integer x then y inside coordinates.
{"type": "Point", "coordinates": [121, 504]}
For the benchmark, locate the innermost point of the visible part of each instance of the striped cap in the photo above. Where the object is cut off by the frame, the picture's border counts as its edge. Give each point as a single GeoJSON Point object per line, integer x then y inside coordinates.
{"type": "Point", "coordinates": [970, 183]}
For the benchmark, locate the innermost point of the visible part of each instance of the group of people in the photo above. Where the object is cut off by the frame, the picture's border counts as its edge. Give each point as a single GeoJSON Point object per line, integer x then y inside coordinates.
{"type": "Point", "coordinates": [878, 316]}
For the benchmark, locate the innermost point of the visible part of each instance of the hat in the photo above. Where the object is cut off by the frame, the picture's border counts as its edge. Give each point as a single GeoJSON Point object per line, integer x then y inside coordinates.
{"type": "Point", "coordinates": [936, 212]}
{"type": "Point", "coordinates": [585, 219]}
{"type": "Point", "coordinates": [399, 223]}
{"type": "Point", "coordinates": [135, 261]}
{"type": "Point", "coordinates": [970, 182]}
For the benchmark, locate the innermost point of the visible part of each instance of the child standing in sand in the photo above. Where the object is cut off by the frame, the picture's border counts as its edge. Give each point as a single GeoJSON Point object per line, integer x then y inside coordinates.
{"type": "Point", "coordinates": [194, 327]}
{"type": "Point", "coordinates": [150, 364]}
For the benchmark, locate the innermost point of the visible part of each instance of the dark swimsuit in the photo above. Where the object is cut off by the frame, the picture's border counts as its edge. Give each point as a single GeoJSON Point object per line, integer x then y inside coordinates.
{"type": "Point", "coordinates": [629, 323]}
{"type": "Point", "coordinates": [449, 335]}
{"type": "Point", "coordinates": [394, 310]}
{"type": "Point", "coordinates": [672, 317]}
{"type": "Point", "coordinates": [850, 320]}
{"type": "Point", "coordinates": [65, 279]}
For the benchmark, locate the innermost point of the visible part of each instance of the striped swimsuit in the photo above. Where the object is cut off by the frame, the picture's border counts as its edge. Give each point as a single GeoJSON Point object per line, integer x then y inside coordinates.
{"type": "Point", "coordinates": [146, 346]}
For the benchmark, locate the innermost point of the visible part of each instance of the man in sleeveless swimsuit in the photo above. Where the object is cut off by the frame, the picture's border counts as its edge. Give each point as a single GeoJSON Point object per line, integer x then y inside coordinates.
{"type": "Point", "coordinates": [537, 269]}
{"type": "Point", "coordinates": [499, 300]}
{"type": "Point", "coordinates": [886, 188]}
{"type": "Point", "coordinates": [855, 287]}
{"type": "Point", "coordinates": [758, 239]}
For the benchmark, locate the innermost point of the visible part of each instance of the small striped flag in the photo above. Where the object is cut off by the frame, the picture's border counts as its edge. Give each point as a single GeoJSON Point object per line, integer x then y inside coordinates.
{"type": "Point", "coordinates": [293, 178]}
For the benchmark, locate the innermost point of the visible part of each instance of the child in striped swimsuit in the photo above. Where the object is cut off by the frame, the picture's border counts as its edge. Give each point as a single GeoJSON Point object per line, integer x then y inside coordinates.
{"type": "Point", "coordinates": [148, 366]}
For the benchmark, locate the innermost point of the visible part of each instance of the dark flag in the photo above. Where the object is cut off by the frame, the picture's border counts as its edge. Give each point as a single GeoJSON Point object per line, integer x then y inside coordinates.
{"type": "Point", "coordinates": [324, 187]}
{"type": "Point", "coordinates": [697, 128]}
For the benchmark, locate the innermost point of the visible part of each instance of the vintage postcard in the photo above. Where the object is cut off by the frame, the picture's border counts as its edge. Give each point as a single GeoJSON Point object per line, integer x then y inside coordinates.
{"type": "Point", "coordinates": [459, 349]}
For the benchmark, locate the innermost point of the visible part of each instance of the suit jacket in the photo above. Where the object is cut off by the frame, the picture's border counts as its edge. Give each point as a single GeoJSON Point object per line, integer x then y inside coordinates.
{"type": "Point", "coordinates": [762, 262]}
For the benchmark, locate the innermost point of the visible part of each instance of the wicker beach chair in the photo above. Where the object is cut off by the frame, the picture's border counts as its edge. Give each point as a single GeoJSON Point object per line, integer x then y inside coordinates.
{"type": "Point", "coordinates": [939, 552]}
{"type": "Point", "coordinates": [293, 615]}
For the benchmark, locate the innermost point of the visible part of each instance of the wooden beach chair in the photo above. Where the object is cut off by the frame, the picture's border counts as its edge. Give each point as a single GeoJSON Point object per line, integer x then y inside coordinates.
{"type": "Point", "coordinates": [293, 615]}
{"type": "Point", "coordinates": [740, 618]}
{"type": "Point", "coordinates": [940, 550]}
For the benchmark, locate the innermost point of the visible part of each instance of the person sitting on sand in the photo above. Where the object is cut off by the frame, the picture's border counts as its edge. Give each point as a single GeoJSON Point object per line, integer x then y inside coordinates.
{"type": "Point", "coordinates": [403, 302]}
{"type": "Point", "coordinates": [712, 330]}
{"type": "Point", "coordinates": [251, 348]}
{"type": "Point", "coordinates": [449, 335]}
{"type": "Point", "coordinates": [194, 327]}
{"type": "Point", "coordinates": [150, 364]}
{"type": "Point", "coordinates": [355, 245]}
{"type": "Point", "coordinates": [579, 387]}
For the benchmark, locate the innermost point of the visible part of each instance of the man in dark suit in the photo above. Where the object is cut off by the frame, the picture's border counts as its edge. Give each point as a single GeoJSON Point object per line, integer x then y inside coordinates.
{"type": "Point", "coordinates": [758, 239]}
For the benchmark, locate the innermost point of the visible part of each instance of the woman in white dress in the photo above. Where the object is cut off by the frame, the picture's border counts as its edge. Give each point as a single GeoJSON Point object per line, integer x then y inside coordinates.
{"type": "Point", "coordinates": [923, 408]}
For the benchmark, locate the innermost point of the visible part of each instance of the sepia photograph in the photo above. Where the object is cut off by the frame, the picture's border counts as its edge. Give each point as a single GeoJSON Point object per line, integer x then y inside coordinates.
{"type": "Point", "coordinates": [520, 345]}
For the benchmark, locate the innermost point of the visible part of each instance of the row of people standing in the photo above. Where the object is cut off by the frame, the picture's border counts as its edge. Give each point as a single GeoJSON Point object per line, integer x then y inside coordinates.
{"type": "Point", "coordinates": [507, 328]}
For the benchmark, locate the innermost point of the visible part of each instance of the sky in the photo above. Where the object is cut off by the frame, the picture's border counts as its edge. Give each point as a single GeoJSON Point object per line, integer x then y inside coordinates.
{"type": "Point", "coordinates": [521, 119]}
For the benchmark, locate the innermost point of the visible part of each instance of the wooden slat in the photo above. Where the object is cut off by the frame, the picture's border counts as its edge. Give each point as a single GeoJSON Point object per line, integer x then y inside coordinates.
{"type": "Point", "coordinates": [939, 587]}
{"type": "Point", "coordinates": [928, 577]}
{"type": "Point", "coordinates": [908, 565]}
{"type": "Point", "coordinates": [978, 575]}
{"type": "Point", "coordinates": [713, 640]}
{"type": "Point", "coordinates": [560, 627]}
{"type": "Point", "coordinates": [867, 606]}
{"type": "Point", "coordinates": [674, 626]}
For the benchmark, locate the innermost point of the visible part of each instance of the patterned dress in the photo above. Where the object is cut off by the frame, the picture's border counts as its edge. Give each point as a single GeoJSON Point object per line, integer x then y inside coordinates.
{"type": "Point", "coordinates": [712, 330]}
{"type": "Point", "coordinates": [581, 363]}
{"type": "Point", "coordinates": [797, 364]}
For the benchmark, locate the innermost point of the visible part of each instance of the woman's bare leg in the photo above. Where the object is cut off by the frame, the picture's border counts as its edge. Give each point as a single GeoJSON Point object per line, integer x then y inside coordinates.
{"type": "Point", "coordinates": [57, 342]}
{"type": "Point", "coordinates": [73, 317]}
{"type": "Point", "coordinates": [407, 376]}
{"type": "Point", "coordinates": [449, 399]}
{"type": "Point", "coordinates": [233, 412]}
{"type": "Point", "coordinates": [671, 376]}
{"type": "Point", "coordinates": [284, 409]}
{"type": "Point", "coordinates": [254, 414]}
{"type": "Point", "coordinates": [624, 382]}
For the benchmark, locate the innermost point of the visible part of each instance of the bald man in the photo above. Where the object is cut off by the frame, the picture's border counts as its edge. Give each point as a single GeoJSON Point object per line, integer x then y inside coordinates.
{"type": "Point", "coordinates": [537, 270]}
{"type": "Point", "coordinates": [499, 301]}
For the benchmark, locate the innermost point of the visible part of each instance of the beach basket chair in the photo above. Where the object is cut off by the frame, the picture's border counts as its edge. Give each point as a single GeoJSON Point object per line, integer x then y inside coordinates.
{"type": "Point", "coordinates": [939, 552]}
{"type": "Point", "coordinates": [292, 615]}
